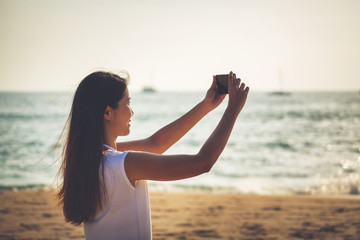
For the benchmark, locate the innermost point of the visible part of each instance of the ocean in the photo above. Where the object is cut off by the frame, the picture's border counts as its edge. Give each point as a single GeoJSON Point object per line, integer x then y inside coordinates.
{"type": "Point", "coordinates": [302, 143]}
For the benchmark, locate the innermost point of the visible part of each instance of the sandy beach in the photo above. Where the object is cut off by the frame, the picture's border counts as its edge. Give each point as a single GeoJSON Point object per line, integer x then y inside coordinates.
{"type": "Point", "coordinates": [34, 215]}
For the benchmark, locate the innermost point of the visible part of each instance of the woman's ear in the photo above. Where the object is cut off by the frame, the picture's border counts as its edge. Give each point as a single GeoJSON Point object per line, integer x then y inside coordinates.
{"type": "Point", "coordinates": [107, 113]}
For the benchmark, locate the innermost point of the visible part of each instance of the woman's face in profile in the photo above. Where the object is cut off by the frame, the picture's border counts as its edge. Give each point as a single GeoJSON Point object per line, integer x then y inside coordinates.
{"type": "Point", "coordinates": [122, 115]}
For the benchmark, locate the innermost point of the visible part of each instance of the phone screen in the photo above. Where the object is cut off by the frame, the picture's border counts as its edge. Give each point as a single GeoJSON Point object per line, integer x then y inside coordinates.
{"type": "Point", "coordinates": [222, 83]}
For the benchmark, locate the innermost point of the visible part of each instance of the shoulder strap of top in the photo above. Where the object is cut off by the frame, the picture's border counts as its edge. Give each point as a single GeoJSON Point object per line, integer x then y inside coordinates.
{"type": "Point", "coordinates": [108, 146]}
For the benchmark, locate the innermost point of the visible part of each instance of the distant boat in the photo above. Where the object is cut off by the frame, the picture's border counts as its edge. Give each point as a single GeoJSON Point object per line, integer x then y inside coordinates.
{"type": "Point", "coordinates": [280, 92]}
{"type": "Point", "coordinates": [149, 89]}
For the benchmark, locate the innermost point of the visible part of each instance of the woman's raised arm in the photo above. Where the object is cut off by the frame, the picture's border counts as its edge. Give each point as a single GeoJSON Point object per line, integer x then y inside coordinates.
{"type": "Point", "coordinates": [147, 166]}
{"type": "Point", "coordinates": [167, 136]}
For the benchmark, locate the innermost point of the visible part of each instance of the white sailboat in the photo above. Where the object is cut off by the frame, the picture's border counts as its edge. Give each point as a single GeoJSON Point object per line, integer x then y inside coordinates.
{"type": "Point", "coordinates": [280, 92]}
{"type": "Point", "coordinates": [149, 87]}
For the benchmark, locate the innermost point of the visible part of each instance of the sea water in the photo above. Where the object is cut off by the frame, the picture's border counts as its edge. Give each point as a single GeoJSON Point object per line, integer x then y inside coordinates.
{"type": "Point", "coordinates": [301, 143]}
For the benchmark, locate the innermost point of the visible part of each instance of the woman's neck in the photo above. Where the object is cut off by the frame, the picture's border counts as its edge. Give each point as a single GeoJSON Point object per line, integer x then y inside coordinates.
{"type": "Point", "coordinates": [111, 142]}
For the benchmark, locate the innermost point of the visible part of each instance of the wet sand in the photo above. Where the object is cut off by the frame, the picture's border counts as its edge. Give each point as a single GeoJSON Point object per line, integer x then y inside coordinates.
{"type": "Point", "coordinates": [34, 215]}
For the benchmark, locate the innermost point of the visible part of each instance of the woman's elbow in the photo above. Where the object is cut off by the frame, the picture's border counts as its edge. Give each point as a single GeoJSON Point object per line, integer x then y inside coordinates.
{"type": "Point", "coordinates": [206, 165]}
{"type": "Point", "coordinates": [206, 168]}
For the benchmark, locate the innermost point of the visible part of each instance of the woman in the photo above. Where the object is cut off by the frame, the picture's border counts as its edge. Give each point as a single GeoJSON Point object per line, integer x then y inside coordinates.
{"type": "Point", "coordinates": [104, 182]}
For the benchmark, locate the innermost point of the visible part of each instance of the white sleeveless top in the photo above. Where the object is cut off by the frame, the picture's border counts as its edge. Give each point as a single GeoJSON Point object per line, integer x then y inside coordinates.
{"type": "Point", "coordinates": [126, 214]}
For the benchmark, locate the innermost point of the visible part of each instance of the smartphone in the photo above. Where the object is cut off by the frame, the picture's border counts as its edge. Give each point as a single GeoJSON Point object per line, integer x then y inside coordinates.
{"type": "Point", "coordinates": [222, 83]}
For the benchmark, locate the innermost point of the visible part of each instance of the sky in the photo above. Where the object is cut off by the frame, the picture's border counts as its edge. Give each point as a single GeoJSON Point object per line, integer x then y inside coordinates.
{"type": "Point", "coordinates": [303, 45]}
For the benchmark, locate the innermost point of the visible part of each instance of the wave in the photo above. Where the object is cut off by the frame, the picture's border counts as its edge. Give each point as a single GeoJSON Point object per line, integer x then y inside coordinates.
{"type": "Point", "coordinates": [159, 187]}
{"type": "Point", "coordinates": [262, 175]}
{"type": "Point", "coordinates": [30, 116]}
{"type": "Point", "coordinates": [328, 189]}
{"type": "Point", "coordinates": [25, 187]}
{"type": "Point", "coordinates": [305, 114]}
{"type": "Point", "coordinates": [281, 144]}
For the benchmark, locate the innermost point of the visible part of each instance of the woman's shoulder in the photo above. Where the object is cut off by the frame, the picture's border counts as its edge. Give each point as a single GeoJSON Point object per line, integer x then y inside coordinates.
{"type": "Point", "coordinates": [113, 152]}
{"type": "Point", "coordinates": [112, 155]}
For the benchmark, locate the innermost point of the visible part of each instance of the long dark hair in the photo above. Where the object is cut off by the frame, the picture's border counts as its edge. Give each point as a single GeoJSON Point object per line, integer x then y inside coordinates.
{"type": "Point", "coordinates": [82, 192]}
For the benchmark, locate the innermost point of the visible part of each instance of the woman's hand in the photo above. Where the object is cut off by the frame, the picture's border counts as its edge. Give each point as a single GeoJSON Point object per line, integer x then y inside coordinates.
{"type": "Point", "coordinates": [237, 93]}
{"type": "Point", "coordinates": [213, 98]}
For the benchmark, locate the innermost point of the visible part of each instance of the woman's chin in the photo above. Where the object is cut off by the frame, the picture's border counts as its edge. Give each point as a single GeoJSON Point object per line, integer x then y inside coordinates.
{"type": "Point", "coordinates": [127, 132]}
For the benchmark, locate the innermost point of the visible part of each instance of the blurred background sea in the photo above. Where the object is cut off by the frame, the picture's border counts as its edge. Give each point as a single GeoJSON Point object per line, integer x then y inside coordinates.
{"type": "Point", "coordinates": [301, 143]}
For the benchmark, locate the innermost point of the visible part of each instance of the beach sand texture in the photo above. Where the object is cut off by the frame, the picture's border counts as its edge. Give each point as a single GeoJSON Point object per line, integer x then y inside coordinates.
{"type": "Point", "coordinates": [34, 215]}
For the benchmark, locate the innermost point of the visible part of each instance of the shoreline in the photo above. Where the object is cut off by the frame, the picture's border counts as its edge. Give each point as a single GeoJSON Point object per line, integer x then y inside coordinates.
{"type": "Point", "coordinates": [179, 189]}
{"type": "Point", "coordinates": [32, 214]}
{"type": "Point", "coordinates": [49, 188]}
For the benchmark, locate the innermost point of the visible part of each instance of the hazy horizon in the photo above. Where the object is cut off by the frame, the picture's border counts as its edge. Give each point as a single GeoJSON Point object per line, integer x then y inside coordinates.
{"type": "Point", "coordinates": [72, 91]}
{"type": "Point", "coordinates": [49, 45]}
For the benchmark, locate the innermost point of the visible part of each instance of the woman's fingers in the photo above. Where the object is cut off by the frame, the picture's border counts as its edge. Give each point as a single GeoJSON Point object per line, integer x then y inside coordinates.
{"type": "Point", "coordinates": [237, 82]}
{"type": "Point", "coordinates": [230, 81]}
{"type": "Point", "coordinates": [242, 86]}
